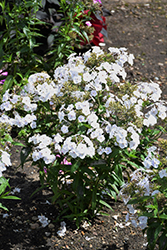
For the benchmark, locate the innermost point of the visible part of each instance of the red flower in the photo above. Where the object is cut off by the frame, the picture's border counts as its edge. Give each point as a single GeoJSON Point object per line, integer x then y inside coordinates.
{"type": "Point", "coordinates": [98, 24]}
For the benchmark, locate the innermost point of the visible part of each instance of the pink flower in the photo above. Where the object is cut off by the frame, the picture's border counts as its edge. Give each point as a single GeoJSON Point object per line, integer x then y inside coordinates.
{"type": "Point", "coordinates": [45, 170]}
{"type": "Point", "coordinates": [3, 74]}
{"type": "Point", "coordinates": [97, 1]}
{"type": "Point", "coordinates": [65, 162]}
{"type": "Point", "coordinates": [88, 23]}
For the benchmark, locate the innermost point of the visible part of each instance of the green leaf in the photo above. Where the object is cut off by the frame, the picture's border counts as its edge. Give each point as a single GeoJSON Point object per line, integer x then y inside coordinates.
{"type": "Point", "coordinates": [131, 163]}
{"type": "Point", "coordinates": [163, 216]}
{"type": "Point", "coordinates": [76, 29]}
{"type": "Point", "coordinates": [105, 214]}
{"type": "Point", "coordinates": [139, 200]}
{"type": "Point", "coordinates": [75, 166]}
{"type": "Point", "coordinates": [156, 232]}
{"type": "Point", "coordinates": [105, 204]}
{"type": "Point", "coordinates": [5, 208]}
{"type": "Point", "coordinates": [18, 144]}
{"type": "Point", "coordinates": [8, 138]}
{"type": "Point", "coordinates": [4, 184]}
{"type": "Point", "coordinates": [50, 40]}
{"type": "Point", "coordinates": [8, 83]}
{"type": "Point", "coordinates": [163, 241]}
{"type": "Point", "coordinates": [11, 197]}
{"type": "Point", "coordinates": [85, 35]}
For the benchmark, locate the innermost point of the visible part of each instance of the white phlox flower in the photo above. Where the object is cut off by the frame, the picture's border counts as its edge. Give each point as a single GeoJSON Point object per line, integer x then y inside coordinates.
{"type": "Point", "coordinates": [29, 118]}
{"type": "Point", "coordinates": [97, 50]}
{"type": "Point", "coordinates": [131, 209]}
{"type": "Point", "coordinates": [43, 220]}
{"type": "Point", "coordinates": [6, 106]}
{"type": "Point", "coordinates": [47, 156]}
{"type": "Point", "coordinates": [100, 150]}
{"type": "Point", "coordinates": [61, 232]}
{"type": "Point", "coordinates": [5, 158]}
{"type": "Point", "coordinates": [64, 129]}
{"type": "Point", "coordinates": [86, 56]}
{"type": "Point", "coordinates": [145, 184]}
{"type": "Point", "coordinates": [81, 118]}
{"type": "Point", "coordinates": [2, 167]}
{"type": "Point", "coordinates": [135, 138]}
{"type": "Point", "coordinates": [33, 125]}
{"type": "Point", "coordinates": [150, 120]}
{"type": "Point", "coordinates": [38, 77]}
{"type": "Point", "coordinates": [162, 110]}
{"type": "Point", "coordinates": [93, 93]}
{"type": "Point", "coordinates": [82, 150]}
{"type": "Point", "coordinates": [61, 115]}
{"type": "Point", "coordinates": [102, 75]}
{"type": "Point", "coordinates": [45, 92]}
{"type": "Point", "coordinates": [6, 96]}
{"type": "Point", "coordinates": [107, 150]}
{"type": "Point", "coordinates": [151, 159]}
{"type": "Point", "coordinates": [155, 192]}
{"type": "Point", "coordinates": [14, 99]}
{"type": "Point", "coordinates": [149, 91]}
{"type": "Point", "coordinates": [58, 138]}
{"type": "Point", "coordinates": [142, 222]}
{"type": "Point", "coordinates": [77, 79]}
{"type": "Point", "coordinates": [87, 77]}
{"type": "Point", "coordinates": [163, 173]}
{"type": "Point", "coordinates": [36, 155]}
{"type": "Point", "coordinates": [44, 141]}
{"type": "Point", "coordinates": [72, 115]}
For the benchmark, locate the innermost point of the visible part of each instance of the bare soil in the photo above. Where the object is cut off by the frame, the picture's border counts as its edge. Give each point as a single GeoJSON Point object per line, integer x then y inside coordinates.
{"type": "Point", "coordinates": [142, 28]}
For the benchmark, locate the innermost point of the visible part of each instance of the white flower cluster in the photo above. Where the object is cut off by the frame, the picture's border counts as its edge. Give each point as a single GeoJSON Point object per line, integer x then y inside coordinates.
{"type": "Point", "coordinates": [81, 110]}
{"type": "Point", "coordinates": [138, 221]}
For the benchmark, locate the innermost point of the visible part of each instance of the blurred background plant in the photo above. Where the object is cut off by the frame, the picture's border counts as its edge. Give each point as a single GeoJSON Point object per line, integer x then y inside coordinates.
{"type": "Point", "coordinates": [40, 35]}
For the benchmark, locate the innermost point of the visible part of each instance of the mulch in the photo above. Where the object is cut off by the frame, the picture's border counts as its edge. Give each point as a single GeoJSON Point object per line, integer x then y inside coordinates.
{"type": "Point", "coordinates": [142, 28]}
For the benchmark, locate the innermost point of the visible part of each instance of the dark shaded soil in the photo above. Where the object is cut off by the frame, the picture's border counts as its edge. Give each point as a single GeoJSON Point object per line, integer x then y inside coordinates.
{"type": "Point", "coordinates": [143, 30]}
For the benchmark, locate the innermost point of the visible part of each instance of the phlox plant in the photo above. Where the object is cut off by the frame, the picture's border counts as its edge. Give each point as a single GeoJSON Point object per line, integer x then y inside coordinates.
{"type": "Point", "coordinates": [84, 127]}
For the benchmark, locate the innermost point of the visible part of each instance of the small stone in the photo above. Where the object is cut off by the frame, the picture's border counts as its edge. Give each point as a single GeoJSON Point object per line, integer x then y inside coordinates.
{"type": "Point", "coordinates": [47, 234]}
{"type": "Point", "coordinates": [124, 212]}
{"type": "Point", "coordinates": [34, 218]}
{"type": "Point", "coordinates": [126, 239]}
{"type": "Point", "coordinates": [51, 226]}
{"type": "Point", "coordinates": [34, 225]}
{"type": "Point", "coordinates": [115, 217]}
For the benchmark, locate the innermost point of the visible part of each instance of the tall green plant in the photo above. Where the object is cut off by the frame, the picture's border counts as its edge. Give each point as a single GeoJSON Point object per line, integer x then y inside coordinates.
{"type": "Point", "coordinates": [38, 36]}
{"type": "Point", "coordinates": [18, 39]}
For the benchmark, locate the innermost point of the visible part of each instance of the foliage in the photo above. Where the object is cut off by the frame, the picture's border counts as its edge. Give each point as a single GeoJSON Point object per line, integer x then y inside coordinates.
{"type": "Point", "coordinates": [146, 194]}
{"type": "Point", "coordinates": [4, 183]}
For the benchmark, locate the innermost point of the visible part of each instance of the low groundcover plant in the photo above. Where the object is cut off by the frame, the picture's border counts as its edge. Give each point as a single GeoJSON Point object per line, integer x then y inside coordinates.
{"type": "Point", "coordinates": [84, 127]}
